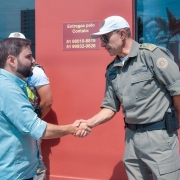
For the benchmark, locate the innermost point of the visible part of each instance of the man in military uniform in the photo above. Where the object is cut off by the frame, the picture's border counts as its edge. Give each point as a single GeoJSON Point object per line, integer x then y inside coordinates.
{"type": "Point", "coordinates": [145, 81]}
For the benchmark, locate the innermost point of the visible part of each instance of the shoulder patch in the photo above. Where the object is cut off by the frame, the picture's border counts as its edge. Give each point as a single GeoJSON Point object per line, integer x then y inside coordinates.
{"type": "Point", "coordinates": [148, 46]}
{"type": "Point", "coordinates": [162, 63]}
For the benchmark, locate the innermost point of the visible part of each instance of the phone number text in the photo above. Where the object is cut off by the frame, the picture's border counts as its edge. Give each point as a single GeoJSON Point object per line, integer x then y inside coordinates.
{"type": "Point", "coordinates": [77, 46]}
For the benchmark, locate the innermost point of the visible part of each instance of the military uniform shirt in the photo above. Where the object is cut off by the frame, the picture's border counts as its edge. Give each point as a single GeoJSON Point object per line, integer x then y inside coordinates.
{"type": "Point", "coordinates": [143, 86]}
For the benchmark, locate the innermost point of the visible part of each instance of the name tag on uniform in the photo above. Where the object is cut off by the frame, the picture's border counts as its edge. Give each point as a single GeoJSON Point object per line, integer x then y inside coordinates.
{"type": "Point", "coordinates": [142, 69]}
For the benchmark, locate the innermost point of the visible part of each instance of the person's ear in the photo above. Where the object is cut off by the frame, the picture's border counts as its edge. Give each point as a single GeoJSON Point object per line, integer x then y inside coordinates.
{"type": "Point", "coordinates": [11, 60]}
{"type": "Point", "coordinates": [122, 33]}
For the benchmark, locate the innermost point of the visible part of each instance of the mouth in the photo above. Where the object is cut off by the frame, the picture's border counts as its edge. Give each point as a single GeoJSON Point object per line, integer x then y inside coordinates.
{"type": "Point", "coordinates": [107, 49]}
{"type": "Point", "coordinates": [31, 68]}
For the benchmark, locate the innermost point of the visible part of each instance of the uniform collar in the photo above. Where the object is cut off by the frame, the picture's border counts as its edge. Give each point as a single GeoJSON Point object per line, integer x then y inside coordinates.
{"type": "Point", "coordinates": [11, 76]}
{"type": "Point", "coordinates": [133, 52]}
{"type": "Point", "coordinates": [134, 49]}
{"type": "Point", "coordinates": [117, 61]}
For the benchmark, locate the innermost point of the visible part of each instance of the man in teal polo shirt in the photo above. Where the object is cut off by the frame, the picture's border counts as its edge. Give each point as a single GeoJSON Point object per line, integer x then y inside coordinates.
{"type": "Point", "coordinates": [19, 125]}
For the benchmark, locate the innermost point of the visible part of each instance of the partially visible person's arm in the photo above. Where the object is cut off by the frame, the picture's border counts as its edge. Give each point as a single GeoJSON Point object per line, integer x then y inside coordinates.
{"type": "Point", "coordinates": [46, 99]}
{"type": "Point", "coordinates": [176, 102]}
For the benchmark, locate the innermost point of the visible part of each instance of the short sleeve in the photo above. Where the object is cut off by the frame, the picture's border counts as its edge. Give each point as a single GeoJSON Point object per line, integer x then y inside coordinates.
{"type": "Point", "coordinates": [110, 100]}
{"type": "Point", "coordinates": [166, 70]}
{"type": "Point", "coordinates": [18, 110]}
{"type": "Point", "coordinates": [38, 78]}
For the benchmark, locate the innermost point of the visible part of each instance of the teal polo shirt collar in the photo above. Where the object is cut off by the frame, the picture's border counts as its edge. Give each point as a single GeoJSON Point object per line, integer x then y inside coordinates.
{"type": "Point", "coordinates": [22, 84]}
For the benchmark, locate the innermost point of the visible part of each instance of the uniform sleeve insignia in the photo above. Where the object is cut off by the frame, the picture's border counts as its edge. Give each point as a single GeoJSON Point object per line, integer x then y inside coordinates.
{"type": "Point", "coordinates": [148, 46]}
{"type": "Point", "coordinates": [162, 63]}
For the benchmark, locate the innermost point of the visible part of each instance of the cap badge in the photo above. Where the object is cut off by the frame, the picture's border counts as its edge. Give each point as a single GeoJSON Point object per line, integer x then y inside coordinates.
{"type": "Point", "coordinates": [162, 63]}
{"type": "Point", "coordinates": [16, 35]}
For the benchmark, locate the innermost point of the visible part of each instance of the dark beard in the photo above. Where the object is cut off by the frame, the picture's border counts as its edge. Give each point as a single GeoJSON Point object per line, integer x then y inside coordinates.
{"type": "Point", "coordinates": [25, 71]}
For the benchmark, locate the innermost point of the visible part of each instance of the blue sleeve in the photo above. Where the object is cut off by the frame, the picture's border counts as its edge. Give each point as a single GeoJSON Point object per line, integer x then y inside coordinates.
{"type": "Point", "coordinates": [16, 108]}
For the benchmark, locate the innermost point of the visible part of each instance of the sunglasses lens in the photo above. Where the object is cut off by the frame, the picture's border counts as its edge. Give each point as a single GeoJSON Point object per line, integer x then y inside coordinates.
{"type": "Point", "coordinates": [104, 39]}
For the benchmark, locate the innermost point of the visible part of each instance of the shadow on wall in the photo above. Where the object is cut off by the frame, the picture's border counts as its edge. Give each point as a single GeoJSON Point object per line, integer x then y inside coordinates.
{"type": "Point", "coordinates": [119, 172]}
{"type": "Point", "coordinates": [48, 143]}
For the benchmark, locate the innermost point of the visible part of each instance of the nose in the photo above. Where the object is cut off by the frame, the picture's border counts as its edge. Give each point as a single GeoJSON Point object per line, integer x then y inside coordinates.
{"type": "Point", "coordinates": [33, 60]}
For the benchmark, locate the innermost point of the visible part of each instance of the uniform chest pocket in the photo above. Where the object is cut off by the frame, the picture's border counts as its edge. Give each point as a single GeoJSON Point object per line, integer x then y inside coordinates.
{"type": "Point", "coordinates": [143, 84]}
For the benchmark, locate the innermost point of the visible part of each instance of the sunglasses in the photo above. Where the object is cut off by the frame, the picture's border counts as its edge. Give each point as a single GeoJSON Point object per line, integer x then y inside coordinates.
{"type": "Point", "coordinates": [105, 38]}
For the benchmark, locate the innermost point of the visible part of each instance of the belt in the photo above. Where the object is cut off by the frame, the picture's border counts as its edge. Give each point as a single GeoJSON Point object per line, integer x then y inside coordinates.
{"type": "Point", "coordinates": [29, 179]}
{"type": "Point", "coordinates": [146, 127]}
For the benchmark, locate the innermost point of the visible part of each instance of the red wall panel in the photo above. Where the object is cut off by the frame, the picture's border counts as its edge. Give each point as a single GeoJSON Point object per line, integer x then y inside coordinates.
{"type": "Point", "coordinates": [78, 79]}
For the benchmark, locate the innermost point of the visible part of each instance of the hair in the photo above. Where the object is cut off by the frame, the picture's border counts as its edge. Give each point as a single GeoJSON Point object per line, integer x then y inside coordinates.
{"type": "Point", "coordinates": [128, 32]}
{"type": "Point", "coordinates": [11, 46]}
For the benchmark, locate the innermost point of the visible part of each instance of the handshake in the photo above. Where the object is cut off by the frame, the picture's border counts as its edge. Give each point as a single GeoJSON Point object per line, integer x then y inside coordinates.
{"type": "Point", "coordinates": [82, 128]}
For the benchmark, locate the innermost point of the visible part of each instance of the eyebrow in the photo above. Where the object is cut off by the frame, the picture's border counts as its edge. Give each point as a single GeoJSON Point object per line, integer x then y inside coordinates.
{"type": "Point", "coordinates": [29, 54]}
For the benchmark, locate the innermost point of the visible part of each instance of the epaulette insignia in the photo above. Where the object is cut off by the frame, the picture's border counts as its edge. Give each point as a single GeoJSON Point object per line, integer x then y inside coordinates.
{"type": "Point", "coordinates": [148, 46]}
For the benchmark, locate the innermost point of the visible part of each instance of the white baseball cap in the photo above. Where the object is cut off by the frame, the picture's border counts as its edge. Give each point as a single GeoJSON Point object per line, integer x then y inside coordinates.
{"type": "Point", "coordinates": [17, 35]}
{"type": "Point", "coordinates": [110, 24]}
